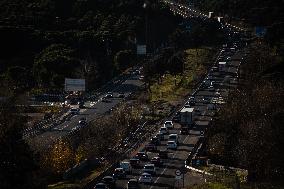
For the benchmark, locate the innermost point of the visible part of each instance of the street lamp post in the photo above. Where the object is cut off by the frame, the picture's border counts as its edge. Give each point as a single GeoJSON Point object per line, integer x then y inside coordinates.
{"type": "Point", "coordinates": [145, 6]}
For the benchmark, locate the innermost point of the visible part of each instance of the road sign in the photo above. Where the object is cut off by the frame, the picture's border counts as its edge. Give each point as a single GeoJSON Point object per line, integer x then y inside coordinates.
{"type": "Point", "coordinates": [74, 84]}
{"type": "Point", "coordinates": [141, 49]}
{"type": "Point", "coordinates": [178, 172]}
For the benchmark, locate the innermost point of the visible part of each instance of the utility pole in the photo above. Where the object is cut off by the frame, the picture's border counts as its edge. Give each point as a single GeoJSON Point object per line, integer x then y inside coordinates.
{"type": "Point", "coordinates": [145, 6]}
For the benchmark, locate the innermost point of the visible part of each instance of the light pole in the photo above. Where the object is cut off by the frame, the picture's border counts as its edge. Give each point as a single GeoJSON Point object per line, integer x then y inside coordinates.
{"type": "Point", "coordinates": [145, 6]}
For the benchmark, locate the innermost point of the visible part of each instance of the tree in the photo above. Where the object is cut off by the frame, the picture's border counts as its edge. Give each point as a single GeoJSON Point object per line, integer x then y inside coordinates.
{"type": "Point", "coordinates": [59, 158]}
{"type": "Point", "coordinates": [55, 62]}
{"type": "Point", "coordinates": [18, 165]}
{"type": "Point", "coordinates": [124, 59]}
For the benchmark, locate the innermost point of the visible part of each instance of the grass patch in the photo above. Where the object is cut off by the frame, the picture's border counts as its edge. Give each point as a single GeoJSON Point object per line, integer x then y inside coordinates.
{"type": "Point", "coordinates": [174, 88]}
{"type": "Point", "coordinates": [78, 184]}
{"type": "Point", "coordinates": [211, 186]}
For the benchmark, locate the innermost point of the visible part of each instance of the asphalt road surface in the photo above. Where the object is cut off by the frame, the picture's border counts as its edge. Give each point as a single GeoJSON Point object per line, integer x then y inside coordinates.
{"type": "Point", "coordinates": [127, 86]}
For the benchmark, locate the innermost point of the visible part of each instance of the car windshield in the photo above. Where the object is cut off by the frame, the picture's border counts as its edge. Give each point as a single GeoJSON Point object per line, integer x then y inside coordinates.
{"type": "Point", "coordinates": [172, 137]}
{"type": "Point", "coordinates": [149, 167]}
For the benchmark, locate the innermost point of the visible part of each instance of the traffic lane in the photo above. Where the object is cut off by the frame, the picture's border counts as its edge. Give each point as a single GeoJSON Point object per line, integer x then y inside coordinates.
{"type": "Point", "coordinates": [159, 170]}
{"type": "Point", "coordinates": [176, 161]}
{"type": "Point", "coordinates": [48, 137]}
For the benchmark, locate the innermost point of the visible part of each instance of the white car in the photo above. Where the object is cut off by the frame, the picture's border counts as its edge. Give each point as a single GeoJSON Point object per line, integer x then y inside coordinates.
{"type": "Point", "coordinates": [164, 130]}
{"type": "Point", "coordinates": [172, 145]}
{"type": "Point", "coordinates": [169, 124]}
{"type": "Point", "coordinates": [149, 168]}
{"type": "Point", "coordinates": [146, 178]}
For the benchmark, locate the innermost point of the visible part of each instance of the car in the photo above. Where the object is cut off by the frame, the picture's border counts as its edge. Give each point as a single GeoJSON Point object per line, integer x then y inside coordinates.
{"type": "Point", "coordinates": [155, 140]}
{"type": "Point", "coordinates": [164, 130]}
{"type": "Point", "coordinates": [169, 124]}
{"type": "Point", "coordinates": [133, 184]}
{"type": "Point", "coordinates": [109, 95]}
{"type": "Point", "coordinates": [101, 186]}
{"type": "Point", "coordinates": [120, 95]}
{"type": "Point", "coordinates": [74, 110]}
{"type": "Point", "coordinates": [160, 136]}
{"type": "Point", "coordinates": [211, 88]}
{"type": "Point", "coordinates": [150, 147]}
{"type": "Point", "coordinates": [141, 77]}
{"type": "Point", "coordinates": [146, 178]}
{"type": "Point", "coordinates": [163, 154]}
{"type": "Point", "coordinates": [126, 166]}
{"type": "Point", "coordinates": [105, 99]}
{"type": "Point", "coordinates": [156, 161]}
{"type": "Point", "coordinates": [191, 101]}
{"type": "Point", "coordinates": [83, 121]}
{"type": "Point", "coordinates": [206, 100]}
{"type": "Point", "coordinates": [149, 168]}
{"type": "Point", "coordinates": [186, 105]}
{"type": "Point", "coordinates": [81, 104]}
{"type": "Point", "coordinates": [172, 145]}
{"type": "Point", "coordinates": [184, 130]}
{"type": "Point", "coordinates": [119, 173]}
{"type": "Point", "coordinates": [215, 68]}
{"type": "Point", "coordinates": [135, 162]}
{"type": "Point", "coordinates": [136, 72]}
{"type": "Point", "coordinates": [176, 117]}
{"type": "Point", "coordinates": [173, 137]}
{"type": "Point", "coordinates": [142, 156]}
{"type": "Point", "coordinates": [109, 181]}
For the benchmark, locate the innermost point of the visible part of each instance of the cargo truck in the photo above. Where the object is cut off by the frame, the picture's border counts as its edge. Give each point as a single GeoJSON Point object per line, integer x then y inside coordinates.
{"type": "Point", "coordinates": [186, 116]}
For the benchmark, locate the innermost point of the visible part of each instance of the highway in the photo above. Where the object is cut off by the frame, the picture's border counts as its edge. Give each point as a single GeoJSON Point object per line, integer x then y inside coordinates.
{"type": "Point", "coordinates": [224, 82]}
{"type": "Point", "coordinates": [127, 85]}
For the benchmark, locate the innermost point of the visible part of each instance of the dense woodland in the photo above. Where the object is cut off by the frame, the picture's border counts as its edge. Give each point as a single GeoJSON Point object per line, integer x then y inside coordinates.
{"type": "Point", "coordinates": [45, 41]}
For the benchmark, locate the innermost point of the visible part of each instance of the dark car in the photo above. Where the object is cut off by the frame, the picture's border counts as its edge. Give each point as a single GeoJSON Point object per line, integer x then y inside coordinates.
{"type": "Point", "coordinates": [120, 95]}
{"type": "Point", "coordinates": [133, 184]}
{"type": "Point", "coordinates": [142, 156]}
{"type": "Point", "coordinates": [156, 161]}
{"type": "Point", "coordinates": [119, 173]}
{"type": "Point", "coordinates": [81, 104]}
{"type": "Point", "coordinates": [101, 186]}
{"type": "Point", "coordinates": [163, 154]}
{"type": "Point", "coordinates": [150, 147]}
{"type": "Point", "coordinates": [105, 99]}
{"type": "Point", "coordinates": [184, 130]}
{"type": "Point", "coordinates": [134, 162]}
{"type": "Point", "coordinates": [191, 101]}
{"type": "Point", "coordinates": [160, 136]}
{"type": "Point", "coordinates": [109, 181]}
{"type": "Point", "coordinates": [155, 140]}
{"type": "Point", "coordinates": [176, 117]}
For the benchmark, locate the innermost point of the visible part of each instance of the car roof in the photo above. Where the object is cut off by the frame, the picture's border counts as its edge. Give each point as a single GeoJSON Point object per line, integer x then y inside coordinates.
{"type": "Point", "coordinates": [146, 174]}
{"type": "Point", "coordinates": [133, 179]}
{"type": "Point", "coordinates": [149, 165]}
{"type": "Point", "coordinates": [107, 177]}
{"type": "Point", "coordinates": [174, 134]}
{"type": "Point", "coordinates": [171, 141]}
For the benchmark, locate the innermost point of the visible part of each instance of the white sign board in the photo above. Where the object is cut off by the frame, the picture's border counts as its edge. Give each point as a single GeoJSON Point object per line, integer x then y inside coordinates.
{"type": "Point", "coordinates": [75, 84]}
{"type": "Point", "coordinates": [141, 49]}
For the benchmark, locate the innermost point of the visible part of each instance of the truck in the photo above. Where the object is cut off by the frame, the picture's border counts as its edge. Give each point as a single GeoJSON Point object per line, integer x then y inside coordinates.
{"type": "Point", "coordinates": [186, 116]}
